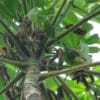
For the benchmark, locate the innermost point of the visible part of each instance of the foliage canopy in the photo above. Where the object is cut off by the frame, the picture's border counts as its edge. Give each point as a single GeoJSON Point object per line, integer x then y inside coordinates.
{"type": "Point", "coordinates": [53, 36]}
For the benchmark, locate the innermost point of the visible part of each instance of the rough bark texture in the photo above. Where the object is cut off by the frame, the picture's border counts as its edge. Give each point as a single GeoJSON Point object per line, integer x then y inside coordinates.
{"type": "Point", "coordinates": [32, 90]}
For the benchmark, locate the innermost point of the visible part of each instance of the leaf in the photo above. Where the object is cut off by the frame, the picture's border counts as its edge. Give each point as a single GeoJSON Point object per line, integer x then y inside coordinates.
{"type": "Point", "coordinates": [86, 96]}
{"type": "Point", "coordinates": [81, 3]}
{"type": "Point", "coordinates": [2, 97]}
{"type": "Point", "coordinates": [33, 13]}
{"type": "Point", "coordinates": [38, 16]}
{"type": "Point", "coordinates": [50, 83]}
{"type": "Point", "coordinates": [72, 40]}
{"type": "Point", "coordinates": [48, 27]}
{"type": "Point", "coordinates": [87, 27]}
{"type": "Point", "coordinates": [93, 8]}
{"type": "Point", "coordinates": [84, 51]}
{"type": "Point", "coordinates": [41, 3]}
{"type": "Point", "coordinates": [77, 88]}
{"type": "Point", "coordinates": [90, 1]}
{"type": "Point", "coordinates": [11, 70]}
{"type": "Point", "coordinates": [1, 42]}
{"type": "Point", "coordinates": [97, 81]}
{"type": "Point", "coordinates": [97, 68]}
{"type": "Point", "coordinates": [69, 17]}
{"type": "Point", "coordinates": [93, 39]}
{"type": "Point", "coordinates": [97, 19]}
{"type": "Point", "coordinates": [93, 49]}
{"type": "Point", "coordinates": [9, 7]}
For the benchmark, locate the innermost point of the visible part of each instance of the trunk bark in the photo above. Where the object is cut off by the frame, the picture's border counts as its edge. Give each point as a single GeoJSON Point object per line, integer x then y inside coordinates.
{"type": "Point", "coordinates": [31, 89]}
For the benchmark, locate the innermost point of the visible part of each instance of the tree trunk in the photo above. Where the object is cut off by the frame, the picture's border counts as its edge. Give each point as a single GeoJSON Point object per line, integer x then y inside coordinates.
{"type": "Point", "coordinates": [31, 89]}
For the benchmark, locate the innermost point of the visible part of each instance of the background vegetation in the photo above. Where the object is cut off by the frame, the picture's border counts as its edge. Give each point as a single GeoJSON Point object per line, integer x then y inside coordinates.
{"type": "Point", "coordinates": [45, 50]}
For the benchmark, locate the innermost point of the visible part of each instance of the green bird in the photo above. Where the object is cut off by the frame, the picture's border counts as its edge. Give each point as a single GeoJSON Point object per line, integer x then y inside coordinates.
{"type": "Point", "coordinates": [72, 56]}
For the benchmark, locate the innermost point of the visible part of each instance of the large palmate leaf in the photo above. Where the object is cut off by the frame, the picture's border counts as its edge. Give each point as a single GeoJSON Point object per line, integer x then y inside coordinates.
{"type": "Point", "coordinates": [9, 7]}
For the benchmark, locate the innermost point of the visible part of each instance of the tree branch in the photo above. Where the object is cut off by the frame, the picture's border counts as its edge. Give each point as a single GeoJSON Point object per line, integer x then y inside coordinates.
{"type": "Point", "coordinates": [13, 62]}
{"type": "Point", "coordinates": [54, 3]}
{"type": "Point", "coordinates": [58, 13]}
{"type": "Point", "coordinates": [65, 11]}
{"type": "Point", "coordinates": [71, 29]}
{"type": "Point", "coordinates": [68, 70]}
{"type": "Point", "coordinates": [93, 72]}
{"type": "Point", "coordinates": [18, 77]}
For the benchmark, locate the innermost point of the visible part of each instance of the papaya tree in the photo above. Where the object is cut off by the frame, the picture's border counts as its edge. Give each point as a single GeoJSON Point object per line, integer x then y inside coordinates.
{"type": "Point", "coordinates": [46, 49]}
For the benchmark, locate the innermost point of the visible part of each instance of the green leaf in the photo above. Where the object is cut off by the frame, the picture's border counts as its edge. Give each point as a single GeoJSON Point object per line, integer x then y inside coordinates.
{"type": "Point", "coordinates": [97, 81]}
{"type": "Point", "coordinates": [93, 39]}
{"type": "Point", "coordinates": [72, 40]}
{"type": "Point", "coordinates": [86, 96]}
{"type": "Point", "coordinates": [11, 70]}
{"type": "Point", "coordinates": [48, 27]}
{"type": "Point", "coordinates": [50, 83]}
{"type": "Point", "coordinates": [1, 85]}
{"type": "Point", "coordinates": [9, 7]}
{"type": "Point", "coordinates": [97, 19]}
{"type": "Point", "coordinates": [84, 51]}
{"type": "Point", "coordinates": [76, 87]}
{"type": "Point", "coordinates": [38, 16]}
{"type": "Point", "coordinates": [69, 17]}
{"type": "Point", "coordinates": [91, 1]}
{"type": "Point", "coordinates": [81, 3]}
{"type": "Point", "coordinates": [1, 42]}
{"type": "Point", "coordinates": [2, 97]}
{"type": "Point", "coordinates": [41, 3]}
{"type": "Point", "coordinates": [93, 8]}
{"type": "Point", "coordinates": [87, 27]}
{"type": "Point", "coordinates": [96, 68]}
{"type": "Point", "coordinates": [93, 49]}
{"type": "Point", "coordinates": [33, 13]}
